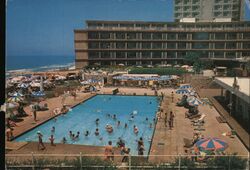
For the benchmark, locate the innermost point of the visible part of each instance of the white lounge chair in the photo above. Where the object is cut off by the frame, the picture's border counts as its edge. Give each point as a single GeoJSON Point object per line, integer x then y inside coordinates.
{"type": "Point", "coordinates": [200, 120]}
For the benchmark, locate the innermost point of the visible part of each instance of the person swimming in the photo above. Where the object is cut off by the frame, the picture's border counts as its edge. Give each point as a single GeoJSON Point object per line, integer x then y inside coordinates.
{"type": "Point", "coordinates": [77, 135]}
{"type": "Point", "coordinates": [136, 129]}
{"type": "Point", "coordinates": [126, 125]}
{"type": "Point", "coordinates": [109, 128]}
{"type": "Point", "coordinates": [70, 134]}
{"type": "Point", "coordinates": [118, 123]}
{"type": "Point", "coordinates": [53, 129]}
{"type": "Point", "coordinates": [64, 140]}
{"type": "Point", "coordinates": [150, 125]}
{"type": "Point", "coordinates": [114, 116]}
{"type": "Point", "coordinates": [96, 131]}
{"type": "Point", "coordinates": [97, 121]}
{"type": "Point", "coordinates": [146, 119]}
{"type": "Point", "coordinates": [131, 118]}
{"type": "Point", "coordinates": [86, 133]}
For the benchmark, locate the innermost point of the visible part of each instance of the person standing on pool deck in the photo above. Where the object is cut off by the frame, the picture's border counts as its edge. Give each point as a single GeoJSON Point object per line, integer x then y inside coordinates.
{"type": "Point", "coordinates": [171, 120]}
{"type": "Point", "coordinates": [166, 119]}
{"type": "Point", "coordinates": [40, 141]}
{"type": "Point", "coordinates": [34, 113]}
{"type": "Point", "coordinates": [172, 96]}
{"type": "Point", "coordinates": [109, 151]}
{"type": "Point", "coordinates": [52, 139]}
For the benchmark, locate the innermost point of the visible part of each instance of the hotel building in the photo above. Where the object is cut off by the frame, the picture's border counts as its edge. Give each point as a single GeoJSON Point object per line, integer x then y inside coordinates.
{"type": "Point", "coordinates": [209, 10]}
{"type": "Point", "coordinates": [150, 43]}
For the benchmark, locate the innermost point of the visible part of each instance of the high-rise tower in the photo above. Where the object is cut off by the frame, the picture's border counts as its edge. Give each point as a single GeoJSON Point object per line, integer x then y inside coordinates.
{"type": "Point", "coordinates": [209, 10]}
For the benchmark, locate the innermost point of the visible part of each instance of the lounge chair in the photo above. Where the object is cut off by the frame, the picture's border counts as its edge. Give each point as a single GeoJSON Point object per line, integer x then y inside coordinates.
{"type": "Point", "coordinates": [200, 120]}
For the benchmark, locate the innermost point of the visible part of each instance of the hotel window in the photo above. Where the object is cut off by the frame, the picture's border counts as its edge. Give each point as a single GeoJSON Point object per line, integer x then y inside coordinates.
{"type": "Point", "coordinates": [171, 45]}
{"type": "Point", "coordinates": [246, 45]}
{"type": "Point", "coordinates": [105, 54]}
{"type": "Point", "coordinates": [156, 54]}
{"type": "Point", "coordinates": [186, 2]}
{"type": "Point", "coordinates": [231, 45]}
{"type": "Point", "coordinates": [120, 45]}
{"type": "Point", "coordinates": [219, 36]}
{"type": "Point", "coordinates": [232, 36]}
{"type": "Point", "coordinates": [171, 54]}
{"type": "Point", "coordinates": [181, 45]}
{"type": "Point", "coordinates": [200, 36]}
{"type": "Point", "coordinates": [200, 45]}
{"type": "Point", "coordinates": [93, 35]}
{"type": "Point", "coordinates": [120, 55]}
{"type": "Point", "coordinates": [182, 36]}
{"type": "Point", "coordinates": [181, 54]}
{"type": "Point", "coordinates": [146, 36]}
{"type": "Point", "coordinates": [157, 45]}
{"type": "Point", "coordinates": [226, 13]}
{"type": "Point", "coordinates": [246, 35]}
{"type": "Point", "coordinates": [146, 54]}
{"type": "Point", "coordinates": [219, 45]}
{"type": "Point", "coordinates": [120, 35]}
{"type": "Point", "coordinates": [230, 55]}
{"type": "Point", "coordinates": [93, 45]}
{"type": "Point", "coordinates": [93, 54]}
{"type": "Point", "coordinates": [218, 54]}
{"type": "Point", "coordinates": [171, 36]}
{"type": "Point", "coordinates": [146, 45]}
{"type": "Point", "coordinates": [131, 36]}
{"type": "Point", "coordinates": [105, 45]}
{"type": "Point", "coordinates": [196, 1]}
{"type": "Point", "coordinates": [127, 25]}
{"type": "Point", "coordinates": [131, 45]}
{"type": "Point", "coordinates": [131, 55]}
{"type": "Point", "coordinates": [157, 36]}
{"type": "Point", "coordinates": [104, 35]}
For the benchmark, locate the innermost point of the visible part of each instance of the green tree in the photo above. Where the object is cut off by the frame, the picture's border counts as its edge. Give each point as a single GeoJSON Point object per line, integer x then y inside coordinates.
{"type": "Point", "coordinates": [191, 58]}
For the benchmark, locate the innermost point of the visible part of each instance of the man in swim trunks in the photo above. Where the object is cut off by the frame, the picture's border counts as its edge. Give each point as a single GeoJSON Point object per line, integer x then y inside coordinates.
{"type": "Point", "coordinates": [109, 151]}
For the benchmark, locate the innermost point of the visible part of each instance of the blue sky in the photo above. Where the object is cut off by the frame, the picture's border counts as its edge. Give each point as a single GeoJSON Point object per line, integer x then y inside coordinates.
{"type": "Point", "coordinates": [45, 27]}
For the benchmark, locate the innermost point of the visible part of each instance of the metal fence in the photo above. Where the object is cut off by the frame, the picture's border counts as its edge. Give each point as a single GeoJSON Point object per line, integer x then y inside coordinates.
{"type": "Point", "coordinates": [90, 161]}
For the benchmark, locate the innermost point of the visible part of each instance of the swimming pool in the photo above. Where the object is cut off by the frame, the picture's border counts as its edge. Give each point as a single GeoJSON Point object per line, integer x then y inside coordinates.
{"type": "Point", "coordinates": [83, 116]}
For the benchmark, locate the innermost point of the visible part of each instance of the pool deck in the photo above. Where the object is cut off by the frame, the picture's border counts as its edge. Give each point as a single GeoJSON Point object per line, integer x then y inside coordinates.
{"type": "Point", "coordinates": [165, 141]}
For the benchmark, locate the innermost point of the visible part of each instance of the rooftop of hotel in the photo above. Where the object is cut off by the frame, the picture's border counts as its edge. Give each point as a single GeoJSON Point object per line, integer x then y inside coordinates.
{"type": "Point", "coordinates": [243, 83]}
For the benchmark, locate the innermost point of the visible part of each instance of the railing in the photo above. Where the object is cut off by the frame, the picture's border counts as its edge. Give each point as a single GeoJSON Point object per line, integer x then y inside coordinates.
{"type": "Point", "coordinates": [88, 161]}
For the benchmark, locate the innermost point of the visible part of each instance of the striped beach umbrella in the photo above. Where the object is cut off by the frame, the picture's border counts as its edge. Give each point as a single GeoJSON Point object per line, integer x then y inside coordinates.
{"type": "Point", "coordinates": [15, 99]}
{"type": "Point", "coordinates": [16, 94]}
{"type": "Point", "coordinates": [182, 91]}
{"type": "Point", "coordinates": [194, 102]}
{"type": "Point", "coordinates": [23, 85]}
{"type": "Point", "coordinates": [38, 94]}
{"type": "Point", "coordinates": [185, 86]}
{"type": "Point", "coordinates": [213, 144]}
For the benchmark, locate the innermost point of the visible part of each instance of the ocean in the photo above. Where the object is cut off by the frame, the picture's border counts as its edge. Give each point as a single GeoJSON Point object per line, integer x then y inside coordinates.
{"type": "Point", "coordinates": [37, 63]}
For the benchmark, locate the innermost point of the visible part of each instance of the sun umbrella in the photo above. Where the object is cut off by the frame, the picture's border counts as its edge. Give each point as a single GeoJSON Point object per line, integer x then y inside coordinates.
{"type": "Point", "coordinates": [185, 86]}
{"type": "Point", "coordinates": [16, 94]}
{"type": "Point", "coordinates": [15, 99]}
{"type": "Point", "coordinates": [23, 85]}
{"type": "Point", "coordinates": [182, 91]}
{"type": "Point", "coordinates": [121, 64]}
{"type": "Point", "coordinates": [194, 102]}
{"type": "Point", "coordinates": [38, 94]}
{"type": "Point", "coordinates": [211, 144]}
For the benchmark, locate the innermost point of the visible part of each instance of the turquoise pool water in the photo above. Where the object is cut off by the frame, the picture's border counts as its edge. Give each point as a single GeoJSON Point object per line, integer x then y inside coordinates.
{"type": "Point", "coordinates": [83, 116]}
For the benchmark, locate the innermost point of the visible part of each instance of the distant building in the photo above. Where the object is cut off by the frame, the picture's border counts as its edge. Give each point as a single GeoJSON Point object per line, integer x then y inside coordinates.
{"type": "Point", "coordinates": [209, 10]}
{"type": "Point", "coordinates": [150, 43]}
